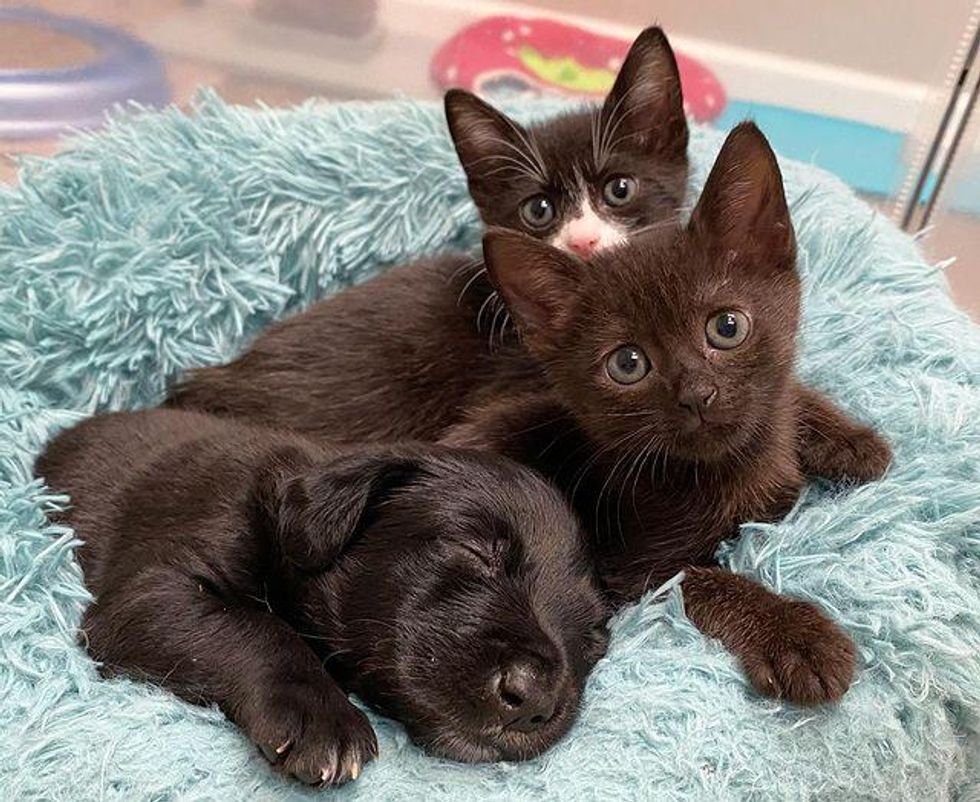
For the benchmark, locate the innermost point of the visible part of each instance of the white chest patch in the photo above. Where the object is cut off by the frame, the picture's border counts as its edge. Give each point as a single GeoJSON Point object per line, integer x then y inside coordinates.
{"type": "Point", "coordinates": [586, 232]}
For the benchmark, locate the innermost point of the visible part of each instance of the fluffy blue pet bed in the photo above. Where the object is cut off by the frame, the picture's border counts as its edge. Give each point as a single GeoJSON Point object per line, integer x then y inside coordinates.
{"type": "Point", "coordinates": [168, 240]}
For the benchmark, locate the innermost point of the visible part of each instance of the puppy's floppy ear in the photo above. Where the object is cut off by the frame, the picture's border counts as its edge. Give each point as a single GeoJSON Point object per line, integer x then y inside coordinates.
{"type": "Point", "coordinates": [539, 283]}
{"type": "Point", "coordinates": [316, 515]}
{"type": "Point", "coordinates": [645, 108]}
{"type": "Point", "coordinates": [742, 213]}
{"type": "Point", "coordinates": [490, 145]}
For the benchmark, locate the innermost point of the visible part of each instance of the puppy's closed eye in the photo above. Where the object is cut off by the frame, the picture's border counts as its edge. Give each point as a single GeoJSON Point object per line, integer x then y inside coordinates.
{"type": "Point", "coordinates": [487, 555]}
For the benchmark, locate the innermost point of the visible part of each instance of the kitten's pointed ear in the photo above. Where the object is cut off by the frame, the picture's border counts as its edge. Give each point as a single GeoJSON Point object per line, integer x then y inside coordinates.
{"type": "Point", "coordinates": [313, 517]}
{"type": "Point", "coordinates": [645, 109]}
{"type": "Point", "coordinates": [742, 213]}
{"type": "Point", "coordinates": [539, 283]}
{"type": "Point", "coordinates": [487, 141]}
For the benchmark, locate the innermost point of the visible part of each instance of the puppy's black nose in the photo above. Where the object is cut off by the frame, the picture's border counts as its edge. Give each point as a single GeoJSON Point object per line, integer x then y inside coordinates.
{"type": "Point", "coordinates": [525, 694]}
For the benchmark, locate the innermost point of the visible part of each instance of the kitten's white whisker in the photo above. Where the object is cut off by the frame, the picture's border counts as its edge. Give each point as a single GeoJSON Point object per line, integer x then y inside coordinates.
{"type": "Point", "coordinates": [603, 152]}
{"type": "Point", "coordinates": [654, 456]}
{"type": "Point", "coordinates": [609, 145]}
{"type": "Point", "coordinates": [514, 170]}
{"type": "Point", "coordinates": [640, 455]}
{"type": "Point", "coordinates": [529, 161]}
{"type": "Point", "coordinates": [503, 324]}
{"type": "Point", "coordinates": [469, 283]}
{"type": "Point", "coordinates": [595, 126]}
{"type": "Point", "coordinates": [470, 265]}
{"type": "Point", "coordinates": [493, 323]}
{"type": "Point", "coordinates": [518, 166]}
{"type": "Point", "coordinates": [479, 315]}
{"type": "Point", "coordinates": [626, 443]}
{"type": "Point", "coordinates": [654, 227]}
{"type": "Point", "coordinates": [623, 414]}
{"type": "Point", "coordinates": [583, 470]}
{"type": "Point", "coordinates": [527, 137]}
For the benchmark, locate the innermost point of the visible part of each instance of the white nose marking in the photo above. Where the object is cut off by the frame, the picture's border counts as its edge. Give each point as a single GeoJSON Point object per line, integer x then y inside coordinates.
{"type": "Point", "coordinates": [587, 232]}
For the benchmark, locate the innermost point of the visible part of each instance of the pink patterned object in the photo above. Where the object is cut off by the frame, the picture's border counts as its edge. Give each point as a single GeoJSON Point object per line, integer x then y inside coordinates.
{"type": "Point", "coordinates": [534, 56]}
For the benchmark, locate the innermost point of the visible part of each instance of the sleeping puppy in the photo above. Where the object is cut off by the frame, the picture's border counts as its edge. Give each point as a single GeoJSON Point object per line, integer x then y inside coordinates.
{"type": "Point", "coordinates": [252, 569]}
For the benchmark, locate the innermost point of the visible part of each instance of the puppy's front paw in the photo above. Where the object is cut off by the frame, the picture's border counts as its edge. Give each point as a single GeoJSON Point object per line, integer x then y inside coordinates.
{"type": "Point", "coordinates": [797, 653]}
{"type": "Point", "coordinates": [313, 734]}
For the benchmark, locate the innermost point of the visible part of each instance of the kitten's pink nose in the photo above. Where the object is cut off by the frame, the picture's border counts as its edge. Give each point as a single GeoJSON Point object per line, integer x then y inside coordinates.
{"type": "Point", "coordinates": [583, 244]}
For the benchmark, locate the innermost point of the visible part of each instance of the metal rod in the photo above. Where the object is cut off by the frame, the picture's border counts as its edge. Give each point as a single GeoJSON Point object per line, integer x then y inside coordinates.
{"type": "Point", "coordinates": [915, 198]}
{"type": "Point", "coordinates": [953, 148]}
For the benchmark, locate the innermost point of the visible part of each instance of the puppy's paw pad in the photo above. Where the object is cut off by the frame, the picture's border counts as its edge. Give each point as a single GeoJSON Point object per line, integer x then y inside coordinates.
{"type": "Point", "coordinates": [317, 737]}
{"type": "Point", "coordinates": [334, 752]}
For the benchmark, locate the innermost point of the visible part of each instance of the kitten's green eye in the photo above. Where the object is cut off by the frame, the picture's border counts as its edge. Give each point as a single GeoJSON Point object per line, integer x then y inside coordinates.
{"type": "Point", "coordinates": [627, 364]}
{"type": "Point", "coordinates": [538, 211]}
{"type": "Point", "coordinates": [619, 190]}
{"type": "Point", "coordinates": [728, 329]}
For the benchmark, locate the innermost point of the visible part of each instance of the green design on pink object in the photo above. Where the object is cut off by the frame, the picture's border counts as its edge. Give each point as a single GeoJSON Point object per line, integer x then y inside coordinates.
{"type": "Point", "coordinates": [535, 56]}
{"type": "Point", "coordinates": [566, 72]}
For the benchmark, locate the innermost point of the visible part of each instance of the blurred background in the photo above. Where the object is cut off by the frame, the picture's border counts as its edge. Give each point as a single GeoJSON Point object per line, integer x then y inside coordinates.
{"type": "Point", "coordinates": [883, 94]}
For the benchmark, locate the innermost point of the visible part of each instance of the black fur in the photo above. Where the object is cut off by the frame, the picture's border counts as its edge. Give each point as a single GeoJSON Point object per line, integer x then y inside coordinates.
{"type": "Point", "coordinates": [255, 570]}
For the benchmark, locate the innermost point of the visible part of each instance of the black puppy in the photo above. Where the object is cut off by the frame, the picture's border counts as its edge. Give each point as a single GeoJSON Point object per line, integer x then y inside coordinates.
{"type": "Point", "coordinates": [255, 570]}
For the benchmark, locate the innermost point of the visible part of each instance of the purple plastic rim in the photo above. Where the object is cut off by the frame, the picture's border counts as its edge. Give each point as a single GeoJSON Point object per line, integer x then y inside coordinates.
{"type": "Point", "coordinates": [40, 103]}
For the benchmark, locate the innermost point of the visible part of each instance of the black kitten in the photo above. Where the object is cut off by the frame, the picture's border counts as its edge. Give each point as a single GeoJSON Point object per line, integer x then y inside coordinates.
{"type": "Point", "coordinates": [257, 571]}
{"type": "Point", "coordinates": [672, 352]}
{"type": "Point", "coordinates": [589, 179]}
{"type": "Point", "coordinates": [673, 413]}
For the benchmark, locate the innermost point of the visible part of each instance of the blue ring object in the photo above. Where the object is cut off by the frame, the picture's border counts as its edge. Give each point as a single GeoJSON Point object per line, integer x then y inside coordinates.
{"type": "Point", "coordinates": [39, 103]}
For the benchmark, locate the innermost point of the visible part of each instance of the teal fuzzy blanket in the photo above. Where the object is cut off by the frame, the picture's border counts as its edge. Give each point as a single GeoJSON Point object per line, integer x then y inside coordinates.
{"type": "Point", "coordinates": [167, 240]}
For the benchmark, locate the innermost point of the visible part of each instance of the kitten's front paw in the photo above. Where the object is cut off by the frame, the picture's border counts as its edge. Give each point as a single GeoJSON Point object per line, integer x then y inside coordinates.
{"type": "Point", "coordinates": [799, 654]}
{"type": "Point", "coordinates": [315, 735]}
{"type": "Point", "coordinates": [859, 454]}
{"type": "Point", "coordinates": [865, 457]}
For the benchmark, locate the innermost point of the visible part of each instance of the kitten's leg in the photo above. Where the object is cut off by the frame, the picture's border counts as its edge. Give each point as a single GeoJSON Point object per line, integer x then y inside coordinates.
{"type": "Point", "coordinates": [833, 445]}
{"type": "Point", "coordinates": [788, 648]}
{"type": "Point", "coordinates": [167, 626]}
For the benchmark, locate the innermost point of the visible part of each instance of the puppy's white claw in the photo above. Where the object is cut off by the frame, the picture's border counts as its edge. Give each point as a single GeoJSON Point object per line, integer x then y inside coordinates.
{"type": "Point", "coordinates": [355, 770]}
